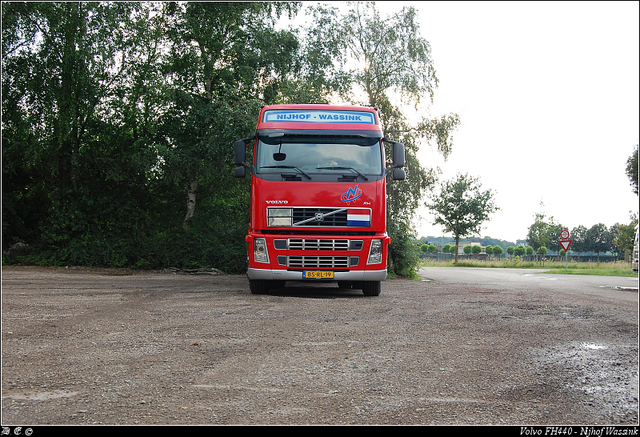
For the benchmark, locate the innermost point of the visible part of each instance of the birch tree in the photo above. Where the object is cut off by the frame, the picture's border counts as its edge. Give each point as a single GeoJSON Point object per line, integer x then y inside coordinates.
{"type": "Point", "coordinates": [393, 65]}
{"type": "Point", "coordinates": [222, 58]}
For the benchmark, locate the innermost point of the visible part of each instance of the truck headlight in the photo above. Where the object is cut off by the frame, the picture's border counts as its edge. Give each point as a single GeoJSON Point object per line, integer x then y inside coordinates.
{"type": "Point", "coordinates": [260, 253]}
{"type": "Point", "coordinates": [375, 252]}
{"type": "Point", "coordinates": [279, 216]}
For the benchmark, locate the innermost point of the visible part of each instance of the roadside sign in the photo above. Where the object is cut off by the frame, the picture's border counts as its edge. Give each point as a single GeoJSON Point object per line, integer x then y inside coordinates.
{"type": "Point", "coordinates": [565, 244]}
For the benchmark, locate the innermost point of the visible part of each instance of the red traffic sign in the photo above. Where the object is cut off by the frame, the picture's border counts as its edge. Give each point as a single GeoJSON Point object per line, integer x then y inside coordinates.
{"type": "Point", "coordinates": [564, 234]}
{"type": "Point", "coordinates": [565, 244]}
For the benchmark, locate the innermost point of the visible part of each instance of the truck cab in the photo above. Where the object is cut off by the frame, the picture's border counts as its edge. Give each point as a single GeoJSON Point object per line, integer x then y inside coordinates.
{"type": "Point", "coordinates": [318, 196]}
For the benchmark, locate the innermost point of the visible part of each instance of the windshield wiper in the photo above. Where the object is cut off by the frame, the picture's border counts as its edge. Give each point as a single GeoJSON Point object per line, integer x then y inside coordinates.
{"type": "Point", "coordinates": [287, 166]}
{"type": "Point", "coordinates": [344, 168]}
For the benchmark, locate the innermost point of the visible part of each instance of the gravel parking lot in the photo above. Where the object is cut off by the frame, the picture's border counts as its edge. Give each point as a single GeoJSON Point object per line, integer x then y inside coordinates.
{"type": "Point", "coordinates": [93, 346]}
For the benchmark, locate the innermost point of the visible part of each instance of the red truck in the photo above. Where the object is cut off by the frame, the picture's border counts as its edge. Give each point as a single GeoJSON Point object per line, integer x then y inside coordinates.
{"type": "Point", "coordinates": [318, 196]}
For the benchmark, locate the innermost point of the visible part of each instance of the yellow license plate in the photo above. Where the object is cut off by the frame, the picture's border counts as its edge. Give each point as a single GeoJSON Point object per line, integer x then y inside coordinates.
{"type": "Point", "coordinates": [317, 274]}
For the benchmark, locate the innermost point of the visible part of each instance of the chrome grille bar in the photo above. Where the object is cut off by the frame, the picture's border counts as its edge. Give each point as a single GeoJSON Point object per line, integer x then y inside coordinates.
{"type": "Point", "coordinates": [318, 244]}
{"type": "Point", "coordinates": [318, 261]}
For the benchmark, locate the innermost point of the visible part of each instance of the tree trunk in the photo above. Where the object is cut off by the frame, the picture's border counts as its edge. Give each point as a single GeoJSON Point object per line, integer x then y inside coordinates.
{"type": "Point", "coordinates": [455, 259]}
{"type": "Point", "coordinates": [191, 199]}
{"type": "Point", "coordinates": [67, 108]}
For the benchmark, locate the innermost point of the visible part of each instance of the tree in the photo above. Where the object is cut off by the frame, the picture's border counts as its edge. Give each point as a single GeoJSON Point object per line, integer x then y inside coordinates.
{"type": "Point", "coordinates": [599, 239]}
{"type": "Point", "coordinates": [497, 251]}
{"type": "Point", "coordinates": [317, 64]}
{"type": "Point", "coordinates": [579, 239]}
{"type": "Point", "coordinates": [625, 236]}
{"type": "Point", "coordinates": [117, 119]}
{"type": "Point", "coordinates": [76, 178]}
{"type": "Point", "coordinates": [428, 248]}
{"type": "Point", "coordinates": [114, 114]}
{"type": "Point", "coordinates": [544, 232]}
{"type": "Point", "coordinates": [542, 252]}
{"type": "Point", "coordinates": [222, 58]}
{"type": "Point", "coordinates": [632, 170]}
{"type": "Point", "coordinates": [390, 59]}
{"type": "Point", "coordinates": [461, 207]}
{"type": "Point", "coordinates": [554, 237]}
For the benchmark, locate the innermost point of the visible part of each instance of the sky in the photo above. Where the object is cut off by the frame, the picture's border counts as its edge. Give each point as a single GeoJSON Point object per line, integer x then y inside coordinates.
{"type": "Point", "coordinates": [548, 99]}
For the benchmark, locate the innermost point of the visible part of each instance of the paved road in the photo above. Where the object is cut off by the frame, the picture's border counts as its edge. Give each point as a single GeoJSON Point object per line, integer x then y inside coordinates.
{"type": "Point", "coordinates": [611, 287]}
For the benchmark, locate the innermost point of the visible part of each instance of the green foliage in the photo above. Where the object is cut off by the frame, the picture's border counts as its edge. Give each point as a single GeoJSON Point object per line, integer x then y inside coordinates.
{"type": "Point", "coordinates": [461, 207]}
{"type": "Point", "coordinates": [118, 121]}
{"type": "Point", "coordinates": [545, 232]}
{"type": "Point", "coordinates": [403, 254]}
{"type": "Point", "coordinates": [576, 268]}
{"type": "Point", "coordinates": [632, 170]}
{"type": "Point", "coordinates": [624, 237]}
{"type": "Point", "coordinates": [390, 57]}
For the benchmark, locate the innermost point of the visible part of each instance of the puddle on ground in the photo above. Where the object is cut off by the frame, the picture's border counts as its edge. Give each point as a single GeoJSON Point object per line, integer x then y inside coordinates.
{"type": "Point", "coordinates": [593, 346]}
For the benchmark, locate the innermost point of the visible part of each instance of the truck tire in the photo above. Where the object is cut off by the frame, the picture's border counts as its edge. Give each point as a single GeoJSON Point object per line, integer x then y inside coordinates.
{"type": "Point", "coordinates": [258, 287]}
{"type": "Point", "coordinates": [275, 284]}
{"type": "Point", "coordinates": [371, 288]}
{"type": "Point", "coordinates": [262, 287]}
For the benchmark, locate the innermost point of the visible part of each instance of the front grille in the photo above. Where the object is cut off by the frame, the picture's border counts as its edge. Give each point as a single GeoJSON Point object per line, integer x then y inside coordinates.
{"type": "Point", "coordinates": [317, 244]}
{"type": "Point", "coordinates": [324, 262]}
{"type": "Point", "coordinates": [319, 217]}
{"type": "Point", "coordinates": [310, 217]}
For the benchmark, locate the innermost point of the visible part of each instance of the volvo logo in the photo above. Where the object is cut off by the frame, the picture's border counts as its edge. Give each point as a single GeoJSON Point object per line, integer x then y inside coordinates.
{"type": "Point", "coordinates": [277, 202]}
{"type": "Point", "coordinates": [319, 216]}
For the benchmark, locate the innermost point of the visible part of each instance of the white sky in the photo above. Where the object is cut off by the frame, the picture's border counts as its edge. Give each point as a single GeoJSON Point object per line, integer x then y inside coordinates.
{"type": "Point", "coordinates": [548, 99]}
{"type": "Point", "coordinates": [548, 96]}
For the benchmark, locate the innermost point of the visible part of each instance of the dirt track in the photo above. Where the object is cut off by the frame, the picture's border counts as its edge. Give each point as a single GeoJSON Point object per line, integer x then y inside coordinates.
{"type": "Point", "coordinates": [116, 347]}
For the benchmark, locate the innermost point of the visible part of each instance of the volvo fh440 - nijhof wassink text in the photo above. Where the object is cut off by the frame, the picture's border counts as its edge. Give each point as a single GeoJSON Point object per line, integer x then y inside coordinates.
{"type": "Point", "coordinates": [318, 196]}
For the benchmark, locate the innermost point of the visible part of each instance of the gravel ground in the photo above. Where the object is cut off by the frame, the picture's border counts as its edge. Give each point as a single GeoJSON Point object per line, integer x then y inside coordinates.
{"type": "Point", "coordinates": [93, 346]}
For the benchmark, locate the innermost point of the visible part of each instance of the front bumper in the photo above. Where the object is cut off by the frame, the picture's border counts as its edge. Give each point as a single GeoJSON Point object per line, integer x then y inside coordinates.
{"type": "Point", "coordinates": [296, 275]}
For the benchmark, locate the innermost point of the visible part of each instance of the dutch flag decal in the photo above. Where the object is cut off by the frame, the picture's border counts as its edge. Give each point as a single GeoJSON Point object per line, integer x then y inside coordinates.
{"type": "Point", "coordinates": [356, 217]}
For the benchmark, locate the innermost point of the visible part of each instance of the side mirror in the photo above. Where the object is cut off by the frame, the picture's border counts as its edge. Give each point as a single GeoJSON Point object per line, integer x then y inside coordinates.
{"type": "Point", "coordinates": [239, 157]}
{"type": "Point", "coordinates": [398, 160]}
{"type": "Point", "coordinates": [398, 155]}
{"type": "Point", "coordinates": [240, 152]}
{"type": "Point", "coordinates": [239, 172]}
{"type": "Point", "coordinates": [398, 174]}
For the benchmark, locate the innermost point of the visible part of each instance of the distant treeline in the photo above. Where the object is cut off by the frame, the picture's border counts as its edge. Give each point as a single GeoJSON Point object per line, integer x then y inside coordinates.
{"type": "Point", "coordinates": [485, 241]}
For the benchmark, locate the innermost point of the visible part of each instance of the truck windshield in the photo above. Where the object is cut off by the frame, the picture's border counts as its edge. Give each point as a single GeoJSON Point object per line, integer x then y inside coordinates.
{"type": "Point", "coordinates": [315, 154]}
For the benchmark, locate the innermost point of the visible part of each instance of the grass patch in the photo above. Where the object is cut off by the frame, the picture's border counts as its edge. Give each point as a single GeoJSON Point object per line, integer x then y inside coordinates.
{"type": "Point", "coordinates": [575, 268]}
{"type": "Point", "coordinates": [594, 272]}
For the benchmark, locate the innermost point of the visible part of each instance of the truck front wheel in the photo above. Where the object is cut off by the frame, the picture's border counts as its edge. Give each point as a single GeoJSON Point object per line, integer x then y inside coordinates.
{"type": "Point", "coordinates": [371, 288]}
{"type": "Point", "coordinates": [262, 287]}
{"type": "Point", "coordinates": [258, 287]}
